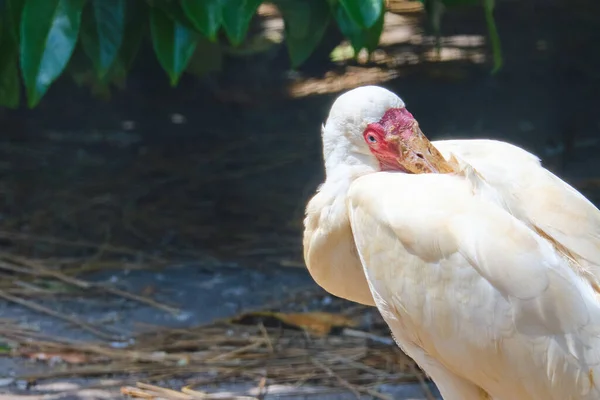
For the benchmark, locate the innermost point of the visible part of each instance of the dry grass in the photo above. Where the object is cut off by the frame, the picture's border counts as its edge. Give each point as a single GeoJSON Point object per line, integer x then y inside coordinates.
{"type": "Point", "coordinates": [260, 348]}
{"type": "Point", "coordinates": [265, 348]}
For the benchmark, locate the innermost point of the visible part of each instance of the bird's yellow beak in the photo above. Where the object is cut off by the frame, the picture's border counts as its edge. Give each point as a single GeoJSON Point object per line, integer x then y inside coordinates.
{"type": "Point", "coordinates": [416, 154]}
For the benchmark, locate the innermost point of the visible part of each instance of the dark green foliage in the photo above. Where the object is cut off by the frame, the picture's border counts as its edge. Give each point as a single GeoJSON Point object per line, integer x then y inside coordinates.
{"type": "Point", "coordinates": [49, 33]}
{"type": "Point", "coordinates": [174, 43]}
{"type": "Point", "coordinates": [9, 60]}
{"type": "Point", "coordinates": [359, 36]}
{"type": "Point", "coordinates": [305, 23]}
{"type": "Point", "coordinates": [364, 13]}
{"type": "Point", "coordinates": [236, 17]}
{"type": "Point", "coordinates": [488, 6]}
{"type": "Point", "coordinates": [102, 32]}
{"type": "Point", "coordinates": [96, 41]}
{"type": "Point", "coordinates": [205, 15]}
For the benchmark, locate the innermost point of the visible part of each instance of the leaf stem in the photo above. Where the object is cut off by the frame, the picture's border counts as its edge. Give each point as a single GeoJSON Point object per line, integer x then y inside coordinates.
{"type": "Point", "coordinates": [488, 6]}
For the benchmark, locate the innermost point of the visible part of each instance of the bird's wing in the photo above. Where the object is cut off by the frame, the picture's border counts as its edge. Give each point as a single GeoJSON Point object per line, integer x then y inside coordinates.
{"type": "Point", "coordinates": [535, 195]}
{"type": "Point", "coordinates": [474, 287]}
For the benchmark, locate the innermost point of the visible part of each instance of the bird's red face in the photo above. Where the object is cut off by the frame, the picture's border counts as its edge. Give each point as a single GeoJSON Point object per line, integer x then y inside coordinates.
{"type": "Point", "coordinates": [399, 145]}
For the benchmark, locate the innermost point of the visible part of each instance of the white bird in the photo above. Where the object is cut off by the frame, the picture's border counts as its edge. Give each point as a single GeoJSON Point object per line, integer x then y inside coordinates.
{"type": "Point", "coordinates": [488, 276]}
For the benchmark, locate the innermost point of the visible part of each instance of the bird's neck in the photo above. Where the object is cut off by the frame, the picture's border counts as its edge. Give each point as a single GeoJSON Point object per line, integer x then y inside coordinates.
{"type": "Point", "coordinates": [338, 178]}
{"type": "Point", "coordinates": [329, 250]}
{"type": "Point", "coordinates": [334, 189]}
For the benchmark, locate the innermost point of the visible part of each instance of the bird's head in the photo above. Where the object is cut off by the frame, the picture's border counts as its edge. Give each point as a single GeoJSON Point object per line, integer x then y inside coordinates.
{"type": "Point", "coordinates": [370, 125]}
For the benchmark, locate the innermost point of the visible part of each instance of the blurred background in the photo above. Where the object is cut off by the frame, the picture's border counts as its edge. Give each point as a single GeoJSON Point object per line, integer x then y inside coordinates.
{"type": "Point", "coordinates": [134, 217]}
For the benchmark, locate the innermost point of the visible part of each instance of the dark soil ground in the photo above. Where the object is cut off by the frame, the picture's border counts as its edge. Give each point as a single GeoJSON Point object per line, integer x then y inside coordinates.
{"type": "Point", "coordinates": [211, 178]}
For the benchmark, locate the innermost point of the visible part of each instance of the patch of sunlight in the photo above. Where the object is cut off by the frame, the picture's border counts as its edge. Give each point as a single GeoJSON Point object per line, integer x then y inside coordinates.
{"type": "Point", "coordinates": [343, 52]}
{"type": "Point", "coordinates": [398, 29]}
{"type": "Point", "coordinates": [404, 58]}
{"type": "Point", "coordinates": [273, 24]}
{"type": "Point", "coordinates": [268, 10]}
{"type": "Point", "coordinates": [337, 82]}
{"type": "Point", "coordinates": [402, 43]}
{"type": "Point", "coordinates": [463, 41]}
{"type": "Point", "coordinates": [455, 54]}
{"type": "Point", "coordinates": [404, 6]}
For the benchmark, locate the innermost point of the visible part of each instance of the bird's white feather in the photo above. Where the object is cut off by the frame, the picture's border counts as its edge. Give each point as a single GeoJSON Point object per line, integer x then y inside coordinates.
{"type": "Point", "coordinates": [475, 288]}
{"type": "Point", "coordinates": [488, 278]}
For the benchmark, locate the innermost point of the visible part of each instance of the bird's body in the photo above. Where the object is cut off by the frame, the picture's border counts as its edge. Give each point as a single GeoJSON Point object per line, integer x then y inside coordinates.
{"type": "Point", "coordinates": [487, 277]}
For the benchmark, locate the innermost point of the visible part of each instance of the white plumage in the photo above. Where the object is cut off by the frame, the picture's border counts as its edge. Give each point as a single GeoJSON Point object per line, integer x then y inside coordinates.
{"type": "Point", "coordinates": [487, 277]}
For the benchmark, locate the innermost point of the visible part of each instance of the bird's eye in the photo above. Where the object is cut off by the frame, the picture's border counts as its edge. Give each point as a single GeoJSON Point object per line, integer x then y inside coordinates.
{"type": "Point", "coordinates": [371, 138]}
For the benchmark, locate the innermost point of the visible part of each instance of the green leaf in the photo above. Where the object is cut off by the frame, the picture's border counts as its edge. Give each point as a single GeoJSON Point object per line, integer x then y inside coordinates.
{"type": "Point", "coordinates": [174, 44]}
{"type": "Point", "coordinates": [205, 15]}
{"type": "Point", "coordinates": [136, 23]}
{"type": "Point", "coordinates": [349, 28]}
{"type": "Point", "coordinates": [236, 17]}
{"type": "Point", "coordinates": [49, 30]}
{"type": "Point", "coordinates": [435, 10]}
{"type": "Point", "coordinates": [102, 30]}
{"type": "Point", "coordinates": [14, 9]}
{"type": "Point", "coordinates": [10, 80]}
{"type": "Point", "coordinates": [2, 19]}
{"type": "Point", "coordinates": [359, 37]}
{"type": "Point", "coordinates": [174, 11]}
{"type": "Point", "coordinates": [488, 6]}
{"type": "Point", "coordinates": [373, 34]}
{"type": "Point", "coordinates": [10, 88]}
{"type": "Point", "coordinates": [365, 13]}
{"type": "Point", "coordinates": [305, 23]}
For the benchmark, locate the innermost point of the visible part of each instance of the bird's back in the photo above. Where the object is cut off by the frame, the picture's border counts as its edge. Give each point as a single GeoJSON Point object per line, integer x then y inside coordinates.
{"type": "Point", "coordinates": [472, 294]}
{"type": "Point", "coordinates": [534, 195]}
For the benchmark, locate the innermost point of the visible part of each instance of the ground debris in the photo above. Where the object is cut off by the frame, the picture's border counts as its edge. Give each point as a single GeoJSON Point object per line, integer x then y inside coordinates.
{"type": "Point", "coordinates": [263, 349]}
